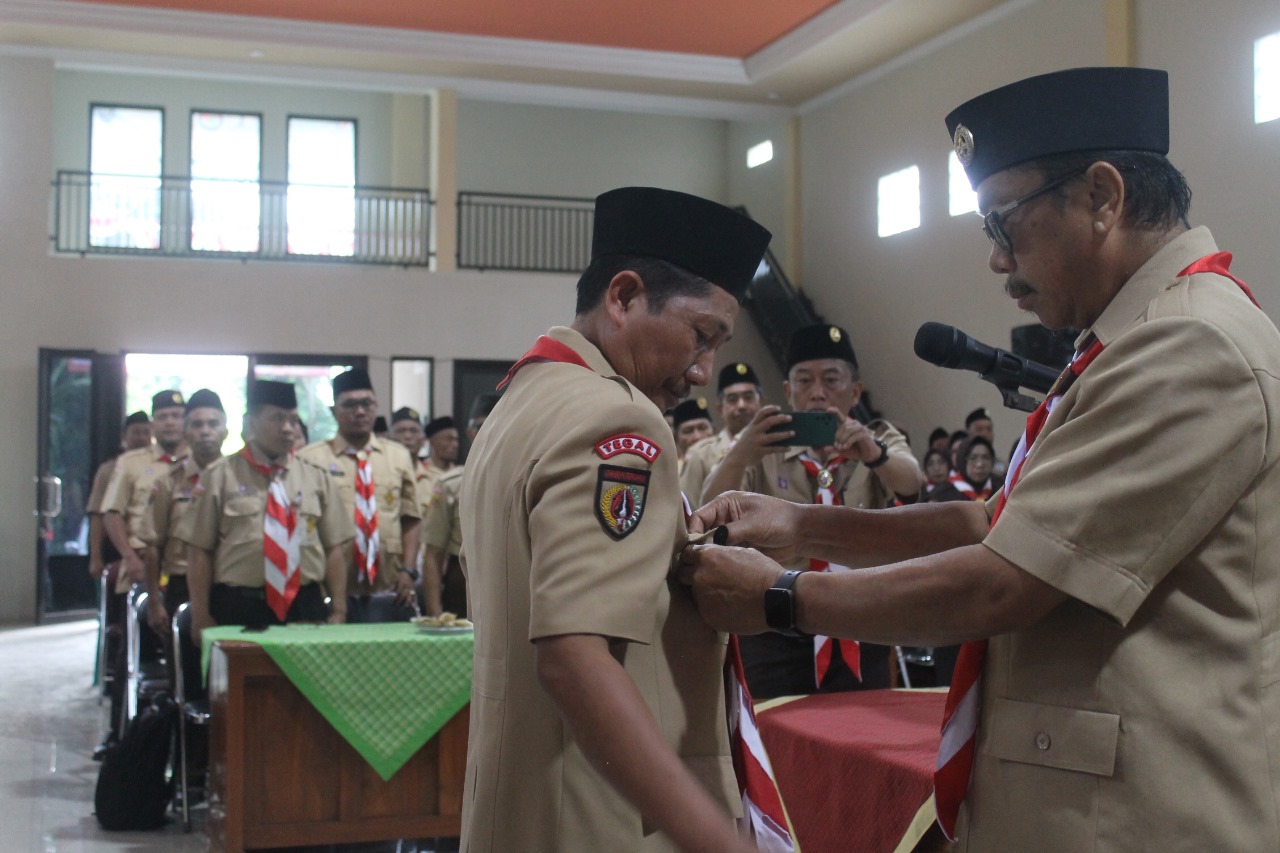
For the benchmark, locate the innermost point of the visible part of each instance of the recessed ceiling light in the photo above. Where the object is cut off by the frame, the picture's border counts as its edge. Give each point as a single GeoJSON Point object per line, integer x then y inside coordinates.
{"type": "Point", "coordinates": [256, 54]}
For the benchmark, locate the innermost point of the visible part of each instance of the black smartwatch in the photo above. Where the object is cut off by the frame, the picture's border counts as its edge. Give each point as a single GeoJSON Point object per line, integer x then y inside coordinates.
{"type": "Point", "coordinates": [780, 605]}
{"type": "Point", "coordinates": [412, 573]}
{"type": "Point", "coordinates": [882, 458]}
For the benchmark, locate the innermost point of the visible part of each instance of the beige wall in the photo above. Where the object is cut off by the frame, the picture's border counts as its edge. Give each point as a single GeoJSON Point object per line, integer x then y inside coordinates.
{"type": "Point", "coordinates": [882, 289]}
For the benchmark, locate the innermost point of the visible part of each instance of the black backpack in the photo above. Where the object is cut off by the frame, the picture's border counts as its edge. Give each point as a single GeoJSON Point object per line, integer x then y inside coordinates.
{"type": "Point", "coordinates": [133, 791]}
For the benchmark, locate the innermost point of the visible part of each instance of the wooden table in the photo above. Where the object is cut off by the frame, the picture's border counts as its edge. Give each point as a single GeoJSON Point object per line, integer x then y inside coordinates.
{"type": "Point", "coordinates": [280, 776]}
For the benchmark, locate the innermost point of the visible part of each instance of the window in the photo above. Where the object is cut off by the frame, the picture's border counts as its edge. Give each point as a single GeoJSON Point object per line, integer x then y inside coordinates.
{"type": "Point", "coordinates": [322, 178]}
{"type": "Point", "coordinates": [962, 197]}
{"type": "Point", "coordinates": [226, 164]}
{"type": "Point", "coordinates": [899, 201]}
{"type": "Point", "coordinates": [758, 155]}
{"type": "Point", "coordinates": [147, 374]}
{"type": "Point", "coordinates": [1266, 79]}
{"type": "Point", "coordinates": [125, 146]}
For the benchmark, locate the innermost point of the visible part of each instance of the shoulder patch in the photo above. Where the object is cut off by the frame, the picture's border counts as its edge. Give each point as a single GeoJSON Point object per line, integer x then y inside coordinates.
{"type": "Point", "coordinates": [620, 498]}
{"type": "Point", "coordinates": [636, 445]}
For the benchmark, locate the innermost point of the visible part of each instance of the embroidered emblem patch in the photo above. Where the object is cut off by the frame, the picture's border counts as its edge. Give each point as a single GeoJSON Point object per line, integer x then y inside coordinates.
{"type": "Point", "coordinates": [636, 445]}
{"type": "Point", "coordinates": [620, 498]}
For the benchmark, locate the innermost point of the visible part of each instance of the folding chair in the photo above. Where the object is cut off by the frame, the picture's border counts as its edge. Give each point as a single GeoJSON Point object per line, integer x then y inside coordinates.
{"type": "Point", "coordinates": [190, 713]}
{"type": "Point", "coordinates": [147, 679]}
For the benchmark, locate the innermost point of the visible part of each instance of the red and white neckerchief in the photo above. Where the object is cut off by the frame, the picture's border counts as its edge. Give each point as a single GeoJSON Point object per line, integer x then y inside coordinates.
{"type": "Point", "coordinates": [763, 817]}
{"type": "Point", "coordinates": [824, 477]}
{"type": "Point", "coordinates": [544, 349]}
{"type": "Point", "coordinates": [367, 544]}
{"type": "Point", "coordinates": [960, 716]}
{"type": "Point", "coordinates": [965, 488]}
{"type": "Point", "coordinates": [281, 539]}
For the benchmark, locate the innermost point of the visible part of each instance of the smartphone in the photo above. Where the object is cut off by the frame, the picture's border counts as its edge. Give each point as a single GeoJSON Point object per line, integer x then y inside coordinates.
{"type": "Point", "coordinates": [812, 429]}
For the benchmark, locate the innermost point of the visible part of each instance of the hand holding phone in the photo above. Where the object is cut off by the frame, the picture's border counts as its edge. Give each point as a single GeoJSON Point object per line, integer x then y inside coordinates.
{"type": "Point", "coordinates": [812, 429]}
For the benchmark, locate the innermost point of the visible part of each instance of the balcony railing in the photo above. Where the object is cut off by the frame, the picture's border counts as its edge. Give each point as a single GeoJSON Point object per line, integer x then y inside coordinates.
{"type": "Point", "coordinates": [499, 231]}
{"type": "Point", "coordinates": [266, 220]}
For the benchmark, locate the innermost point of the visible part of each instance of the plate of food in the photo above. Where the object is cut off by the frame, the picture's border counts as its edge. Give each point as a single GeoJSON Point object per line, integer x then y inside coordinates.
{"type": "Point", "coordinates": [445, 623]}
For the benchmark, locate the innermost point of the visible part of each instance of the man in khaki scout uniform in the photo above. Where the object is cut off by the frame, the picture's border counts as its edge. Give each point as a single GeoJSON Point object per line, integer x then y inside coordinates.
{"type": "Point", "coordinates": [134, 435]}
{"type": "Point", "coordinates": [597, 709]}
{"type": "Point", "coordinates": [125, 501]}
{"type": "Point", "coordinates": [740, 397]}
{"type": "Point", "coordinates": [691, 423]}
{"type": "Point", "coordinates": [442, 438]}
{"type": "Point", "coordinates": [394, 492]}
{"type": "Point", "coordinates": [227, 532]}
{"type": "Point", "coordinates": [868, 467]}
{"type": "Point", "coordinates": [204, 431]}
{"type": "Point", "coordinates": [1128, 575]}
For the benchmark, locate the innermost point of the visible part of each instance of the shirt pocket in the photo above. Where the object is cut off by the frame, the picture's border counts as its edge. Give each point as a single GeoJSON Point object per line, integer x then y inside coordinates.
{"type": "Point", "coordinates": [1053, 736]}
{"type": "Point", "coordinates": [309, 512]}
{"type": "Point", "coordinates": [242, 518]}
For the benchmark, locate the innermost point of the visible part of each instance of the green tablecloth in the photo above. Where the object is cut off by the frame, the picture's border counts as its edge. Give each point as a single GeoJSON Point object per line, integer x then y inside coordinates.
{"type": "Point", "coordinates": [386, 688]}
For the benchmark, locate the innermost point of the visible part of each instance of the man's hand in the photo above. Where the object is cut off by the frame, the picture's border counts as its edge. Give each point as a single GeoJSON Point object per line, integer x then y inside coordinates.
{"type": "Point", "coordinates": [853, 438]}
{"type": "Point", "coordinates": [95, 566]}
{"type": "Point", "coordinates": [756, 442]}
{"type": "Point", "coordinates": [135, 567]}
{"type": "Point", "coordinates": [157, 616]}
{"type": "Point", "coordinates": [406, 594]}
{"type": "Point", "coordinates": [200, 621]}
{"type": "Point", "coordinates": [728, 585]}
{"type": "Point", "coordinates": [753, 521]}
{"type": "Point", "coordinates": [337, 617]}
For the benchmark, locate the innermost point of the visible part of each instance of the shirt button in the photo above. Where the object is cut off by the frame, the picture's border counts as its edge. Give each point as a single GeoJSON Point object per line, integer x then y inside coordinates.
{"type": "Point", "coordinates": [1043, 741]}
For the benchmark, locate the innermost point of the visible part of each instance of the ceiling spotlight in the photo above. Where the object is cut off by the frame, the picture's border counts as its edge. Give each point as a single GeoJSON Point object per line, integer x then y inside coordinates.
{"type": "Point", "coordinates": [256, 54]}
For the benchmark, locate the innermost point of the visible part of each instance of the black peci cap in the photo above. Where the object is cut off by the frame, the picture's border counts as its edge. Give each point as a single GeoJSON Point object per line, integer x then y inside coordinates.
{"type": "Point", "coordinates": [380, 424]}
{"type": "Point", "coordinates": [138, 417]}
{"type": "Point", "coordinates": [690, 410]}
{"type": "Point", "coordinates": [707, 239]}
{"type": "Point", "coordinates": [355, 379]}
{"type": "Point", "coordinates": [265, 392]}
{"type": "Point", "coordinates": [205, 399]}
{"type": "Point", "coordinates": [1080, 109]}
{"type": "Point", "coordinates": [735, 374]}
{"type": "Point", "coordinates": [821, 341]}
{"type": "Point", "coordinates": [405, 413]}
{"type": "Point", "coordinates": [167, 400]}
{"type": "Point", "coordinates": [440, 424]}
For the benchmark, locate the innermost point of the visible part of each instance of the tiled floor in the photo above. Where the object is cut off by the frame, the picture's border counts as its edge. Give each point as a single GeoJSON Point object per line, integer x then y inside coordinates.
{"type": "Point", "coordinates": [49, 723]}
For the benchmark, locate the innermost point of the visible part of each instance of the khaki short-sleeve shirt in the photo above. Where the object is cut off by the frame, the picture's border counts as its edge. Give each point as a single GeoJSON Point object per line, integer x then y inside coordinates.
{"type": "Point", "coordinates": [395, 485]}
{"type": "Point", "coordinates": [98, 490]}
{"type": "Point", "coordinates": [226, 519]}
{"type": "Point", "coordinates": [571, 517]}
{"type": "Point", "coordinates": [699, 460]}
{"type": "Point", "coordinates": [170, 499]}
{"type": "Point", "coordinates": [129, 489]}
{"type": "Point", "coordinates": [428, 475]}
{"type": "Point", "coordinates": [1144, 712]}
{"type": "Point", "coordinates": [442, 525]}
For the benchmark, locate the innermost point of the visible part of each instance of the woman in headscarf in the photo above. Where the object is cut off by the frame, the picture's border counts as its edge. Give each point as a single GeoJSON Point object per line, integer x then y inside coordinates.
{"type": "Point", "coordinates": [972, 479]}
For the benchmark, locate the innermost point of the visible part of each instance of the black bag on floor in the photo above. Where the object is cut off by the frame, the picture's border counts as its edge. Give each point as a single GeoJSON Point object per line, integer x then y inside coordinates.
{"type": "Point", "coordinates": [132, 791]}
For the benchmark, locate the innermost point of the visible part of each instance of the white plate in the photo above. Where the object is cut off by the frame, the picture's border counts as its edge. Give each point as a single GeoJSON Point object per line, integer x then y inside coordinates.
{"type": "Point", "coordinates": [445, 629]}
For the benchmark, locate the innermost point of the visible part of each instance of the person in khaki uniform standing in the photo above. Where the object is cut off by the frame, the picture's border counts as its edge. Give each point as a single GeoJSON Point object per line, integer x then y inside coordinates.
{"type": "Point", "coordinates": [226, 529]}
{"type": "Point", "coordinates": [1128, 574]}
{"type": "Point", "coordinates": [376, 563]}
{"type": "Point", "coordinates": [740, 397]}
{"type": "Point", "coordinates": [204, 431]}
{"type": "Point", "coordinates": [598, 702]}
{"type": "Point", "coordinates": [134, 435]}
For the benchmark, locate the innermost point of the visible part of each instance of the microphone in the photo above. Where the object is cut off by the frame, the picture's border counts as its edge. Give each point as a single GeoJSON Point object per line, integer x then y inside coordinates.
{"type": "Point", "coordinates": [947, 346]}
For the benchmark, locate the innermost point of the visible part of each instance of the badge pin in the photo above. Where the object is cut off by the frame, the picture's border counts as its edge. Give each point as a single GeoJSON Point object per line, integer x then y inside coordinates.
{"type": "Point", "coordinates": [963, 142]}
{"type": "Point", "coordinates": [825, 479]}
{"type": "Point", "coordinates": [783, 483]}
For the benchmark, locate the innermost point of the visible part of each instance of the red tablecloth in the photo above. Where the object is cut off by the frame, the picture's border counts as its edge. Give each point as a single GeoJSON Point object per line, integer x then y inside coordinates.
{"type": "Point", "coordinates": [853, 768]}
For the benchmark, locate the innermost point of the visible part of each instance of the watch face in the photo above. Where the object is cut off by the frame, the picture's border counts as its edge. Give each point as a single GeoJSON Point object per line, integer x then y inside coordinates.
{"type": "Point", "coordinates": [778, 612]}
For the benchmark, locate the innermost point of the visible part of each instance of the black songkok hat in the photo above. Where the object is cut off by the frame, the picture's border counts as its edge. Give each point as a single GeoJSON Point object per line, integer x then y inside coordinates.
{"type": "Point", "coordinates": [1080, 109]}
{"type": "Point", "coordinates": [690, 410]}
{"type": "Point", "coordinates": [821, 341]}
{"type": "Point", "coordinates": [205, 399]}
{"type": "Point", "coordinates": [355, 379]}
{"type": "Point", "coordinates": [379, 424]}
{"type": "Point", "coordinates": [138, 417]}
{"type": "Point", "coordinates": [440, 424]}
{"type": "Point", "coordinates": [707, 239]}
{"type": "Point", "coordinates": [976, 415]}
{"type": "Point", "coordinates": [166, 400]}
{"type": "Point", "coordinates": [735, 374]}
{"type": "Point", "coordinates": [269, 393]}
{"type": "Point", "coordinates": [405, 413]}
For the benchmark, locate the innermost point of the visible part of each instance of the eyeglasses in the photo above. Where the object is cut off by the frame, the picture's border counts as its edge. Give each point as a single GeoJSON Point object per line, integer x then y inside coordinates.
{"type": "Point", "coordinates": [993, 222]}
{"type": "Point", "coordinates": [352, 405]}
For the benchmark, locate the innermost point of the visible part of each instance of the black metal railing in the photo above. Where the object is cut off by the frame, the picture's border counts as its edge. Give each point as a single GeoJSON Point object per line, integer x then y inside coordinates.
{"type": "Point", "coordinates": [269, 220]}
{"type": "Point", "coordinates": [503, 231]}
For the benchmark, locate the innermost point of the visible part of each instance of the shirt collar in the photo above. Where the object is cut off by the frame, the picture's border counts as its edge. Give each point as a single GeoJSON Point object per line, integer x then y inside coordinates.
{"type": "Point", "coordinates": [340, 445]}
{"type": "Point", "coordinates": [1160, 272]}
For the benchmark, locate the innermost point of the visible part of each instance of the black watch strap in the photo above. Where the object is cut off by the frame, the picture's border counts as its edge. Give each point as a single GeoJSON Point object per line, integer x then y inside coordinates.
{"type": "Point", "coordinates": [882, 458]}
{"type": "Point", "coordinates": [411, 572]}
{"type": "Point", "coordinates": [780, 605]}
